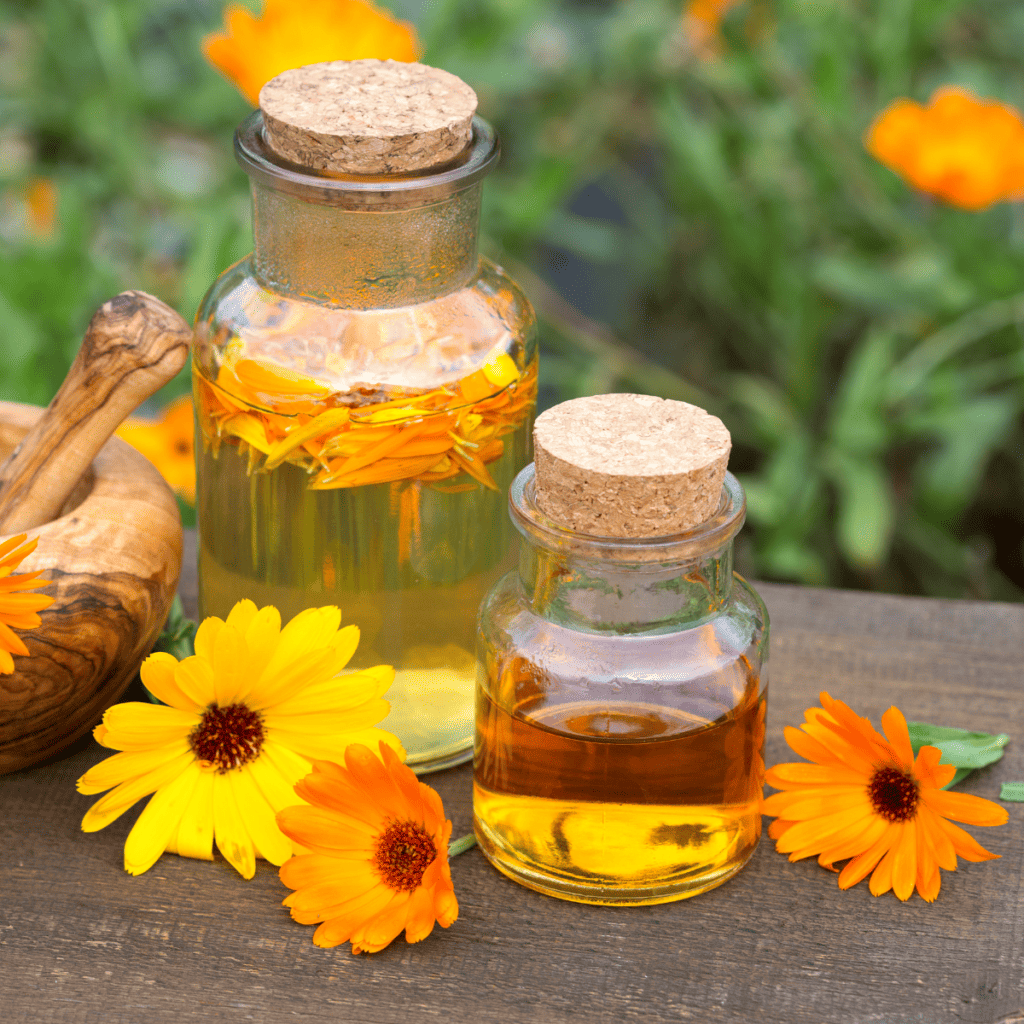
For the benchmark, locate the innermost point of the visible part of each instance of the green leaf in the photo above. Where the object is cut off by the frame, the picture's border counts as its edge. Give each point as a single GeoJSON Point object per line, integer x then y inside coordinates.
{"type": "Point", "coordinates": [1012, 791]}
{"type": "Point", "coordinates": [966, 750]}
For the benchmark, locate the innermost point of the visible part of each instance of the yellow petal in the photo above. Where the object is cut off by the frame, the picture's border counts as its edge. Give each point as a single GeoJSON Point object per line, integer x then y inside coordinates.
{"type": "Point", "coordinates": [241, 616]}
{"type": "Point", "coordinates": [325, 723]}
{"type": "Point", "coordinates": [335, 695]}
{"type": "Point", "coordinates": [230, 657]}
{"type": "Point", "coordinates": [262, 636]}
{"type": "Point", "coordinates": [139, 726]}
{"type": "Point", "coordinates": [117, 769]}
{"type": "Point", "coordinates": [290, 765]}
{"type": "Point", "coordinates": [158, 822]}
{"type": "Point", "coordinates": [310, 630]}
{"type": "Point", "coordinates": [305, 670]}
{"type": "Point", "coordinates": [194, 677]}
{"type": "Point", "coordinates": [233, 840]}
{"type": "Point", "coordinates": [157, 673]}
{"type": "Point", "coordinates": [110, 807]}
{"type": "Point", "coordinates": [271, 843]}
{"type": "Point", "coordinates": [333, 747]}
{"type": "Point", "coordinates": [276, 789]}
{"type": "Point", "coordinates": [195, 830]}
{"type": "Point", "coordinates": [206, 635]}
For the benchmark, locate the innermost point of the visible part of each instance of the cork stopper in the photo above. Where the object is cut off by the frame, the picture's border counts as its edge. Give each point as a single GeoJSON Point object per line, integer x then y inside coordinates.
{"type": "Point", "coordinates": [629, 465]}
{"type": "Point", "coordinates": [367, 116]}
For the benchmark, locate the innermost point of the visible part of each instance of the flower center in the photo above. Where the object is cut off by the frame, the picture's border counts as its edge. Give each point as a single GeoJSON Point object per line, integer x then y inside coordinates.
{"type": "Point", "coordinates": [403, 852]}
{"type": "Point", "coordinates": [227, 737]}
{"type": "Point", "coordinates": [893, 793]}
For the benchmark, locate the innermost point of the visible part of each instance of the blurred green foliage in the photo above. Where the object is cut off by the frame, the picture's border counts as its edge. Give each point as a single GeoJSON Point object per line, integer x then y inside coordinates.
{"type": "Point", "coordinates": [708, 229]}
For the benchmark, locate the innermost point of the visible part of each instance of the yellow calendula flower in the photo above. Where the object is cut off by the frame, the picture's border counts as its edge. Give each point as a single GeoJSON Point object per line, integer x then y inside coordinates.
{"type": "Point", "coordinates": [289, 34]}
{"type": "Point", "coordinates": [168, 443]}
{"type": "Point", "coordinates": [18, 609]}
{"type": "Point", "coordinates": [244, 719]}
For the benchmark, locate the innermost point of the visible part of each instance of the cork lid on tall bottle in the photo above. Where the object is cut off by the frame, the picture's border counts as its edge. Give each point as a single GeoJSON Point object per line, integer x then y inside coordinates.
{"type": "Point", "coordinates": [629, 465]}
{"type": "Point", "coordinates": [367, 116]}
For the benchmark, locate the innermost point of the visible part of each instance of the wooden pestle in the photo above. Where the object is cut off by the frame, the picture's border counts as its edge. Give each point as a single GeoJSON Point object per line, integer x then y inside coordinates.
{"type": "Point", "coordinates": [134, 345]}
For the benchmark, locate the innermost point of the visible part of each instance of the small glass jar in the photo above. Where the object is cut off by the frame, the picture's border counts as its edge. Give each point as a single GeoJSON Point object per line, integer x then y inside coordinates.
{"type": "Point", "coordinates": [621, 701]}
{"type": "Point", "coordinates": [364, 388]}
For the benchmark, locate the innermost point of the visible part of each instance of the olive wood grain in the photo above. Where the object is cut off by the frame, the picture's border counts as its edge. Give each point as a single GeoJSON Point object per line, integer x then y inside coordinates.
{"type": "Point", "coordinates": [134, 345]}
{"type": "Point", "coordinates": [112, 557]}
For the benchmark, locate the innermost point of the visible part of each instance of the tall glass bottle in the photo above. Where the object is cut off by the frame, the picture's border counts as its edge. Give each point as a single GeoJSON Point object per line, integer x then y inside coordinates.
{"type": "Point", "coordinates": [364, 387]}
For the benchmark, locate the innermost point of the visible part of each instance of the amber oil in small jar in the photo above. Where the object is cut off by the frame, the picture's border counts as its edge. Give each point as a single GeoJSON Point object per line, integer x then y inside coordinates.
{"type": "Point", "coordinates": [622, 680]}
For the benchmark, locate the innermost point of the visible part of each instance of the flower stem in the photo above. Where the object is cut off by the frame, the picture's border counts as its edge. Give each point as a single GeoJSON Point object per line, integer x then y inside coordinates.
{"type": "Point", "coordinates": [461, 845]}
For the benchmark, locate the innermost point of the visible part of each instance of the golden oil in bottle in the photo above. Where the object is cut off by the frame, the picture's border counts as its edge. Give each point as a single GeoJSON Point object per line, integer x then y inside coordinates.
{"type": "Point", "coordinates": [407, 561]}
{"type": "Point", "coordinates": [365, 383]}
{"type": "Point", "coordinates": [622, 679]}
{"type": "Point", "coordinates": [621, 802]}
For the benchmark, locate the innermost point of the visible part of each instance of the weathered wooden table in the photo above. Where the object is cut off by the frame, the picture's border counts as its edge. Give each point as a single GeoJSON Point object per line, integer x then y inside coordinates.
{"type": "Point", "coordinates": [81, 941]}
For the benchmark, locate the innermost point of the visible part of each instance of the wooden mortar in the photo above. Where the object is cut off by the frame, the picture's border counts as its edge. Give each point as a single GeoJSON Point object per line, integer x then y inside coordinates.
{"type": "Point", "coordinates": [108, 527]}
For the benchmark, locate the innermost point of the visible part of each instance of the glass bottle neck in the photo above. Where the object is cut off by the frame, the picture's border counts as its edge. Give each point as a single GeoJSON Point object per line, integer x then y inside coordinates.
{"type": "Point", "coordinates": [622, 598]}
{"type": "Point", "coordinates": [625, 585]}
{"type": "Point", "coordinates": [365, 259]}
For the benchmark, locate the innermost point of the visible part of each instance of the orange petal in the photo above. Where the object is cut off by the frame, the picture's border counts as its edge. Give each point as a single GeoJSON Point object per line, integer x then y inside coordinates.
{"type": "Point", "coordinates": [864, 863]}
{"type": "Point", "coordinates": [904, 869]}
{"type": "Point", "coordinates": [964, 843]}
{"type": "Point", "coordinates": [929, 772]}
{"type": "Point", "coordinates": [974, 810]}
{"type": "Point", "coordinates": [797, 774]}
{"type": "Point", "coordinates": [895, 727]}
{"type": "Point", "coordinates": [881, 878]}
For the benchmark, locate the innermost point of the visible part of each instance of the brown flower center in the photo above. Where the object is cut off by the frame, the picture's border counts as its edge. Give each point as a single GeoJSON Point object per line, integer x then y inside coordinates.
{"type": "Point", "coordinates": [227, 737]}
{"type": "Point", "coordinates": [404, 850]}
{"type": "Point", "coordinates": [894, 794]}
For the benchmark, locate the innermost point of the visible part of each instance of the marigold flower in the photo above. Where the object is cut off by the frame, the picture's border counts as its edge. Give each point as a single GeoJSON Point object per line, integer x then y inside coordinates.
{"type": "Point", "coordinates": [379, 860]}
{"type": "Point", "coordinates": [245, 718]}
{"type": "Point", "coordinates": [966, 151]}
{"type": "Point", "coordinates": [41, 206]}
{"type": "Point", "coordinates": [18, 610]}
{"type": "Point", "coordinates": [168, 443]}
{"type": "Point", "coordinates": [702, 22]}
{"type": "Point", "coordinates": [866, 800]}
{"type": "Point", "coordinates": [289, 35]}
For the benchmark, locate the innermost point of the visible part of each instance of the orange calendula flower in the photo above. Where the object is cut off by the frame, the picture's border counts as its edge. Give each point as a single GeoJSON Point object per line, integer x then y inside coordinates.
{"type": "Point", "coordinates": [966, 151]}
{"type": "Point", "coordinates": [168, 444]}
{"type": "Point", "coordinates": [289, 35]}
{"type": "Point", "coordinates": [702, 20]}
{"type": "Point", "coordinates": [379, 860]}
{"type": "Point", "coordinates": [18, 610]}
{"type": "Point", "coordinates": [41, 206]}
{"type": "Point", "coordinates": [241, 722]}
{"type": "Point", "coordinates": [865, 799]}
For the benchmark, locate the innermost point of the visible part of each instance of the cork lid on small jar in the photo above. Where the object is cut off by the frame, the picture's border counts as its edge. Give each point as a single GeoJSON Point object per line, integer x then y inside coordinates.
{"type": "Point", "coordinates": [629, 465]}
{"type": "Point", "coordinates": [367, 116]}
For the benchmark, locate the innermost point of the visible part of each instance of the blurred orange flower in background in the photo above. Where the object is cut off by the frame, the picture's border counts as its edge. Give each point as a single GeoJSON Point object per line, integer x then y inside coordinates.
{"type": "Point", "coordinates": [41, 206]}
{"type": "Point", "coordinates": [168, 444]}
{"type": "Point", "coordinates": [289, 34]}
{"type": "Point", "coordinates": [964, 150]}
{"type": "Point", "coordinates": [702, 20]}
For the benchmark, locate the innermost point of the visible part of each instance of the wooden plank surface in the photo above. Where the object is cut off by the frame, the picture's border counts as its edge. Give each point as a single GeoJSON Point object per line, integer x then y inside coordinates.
{"type": "Point", "coordinates": [81, 941]}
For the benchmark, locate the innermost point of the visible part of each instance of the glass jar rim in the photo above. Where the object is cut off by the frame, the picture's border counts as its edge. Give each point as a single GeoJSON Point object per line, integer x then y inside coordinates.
{"type": "Point", "coordinates": [365, 191]}
{"type": "Point", "coordinates": [703, 541]}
